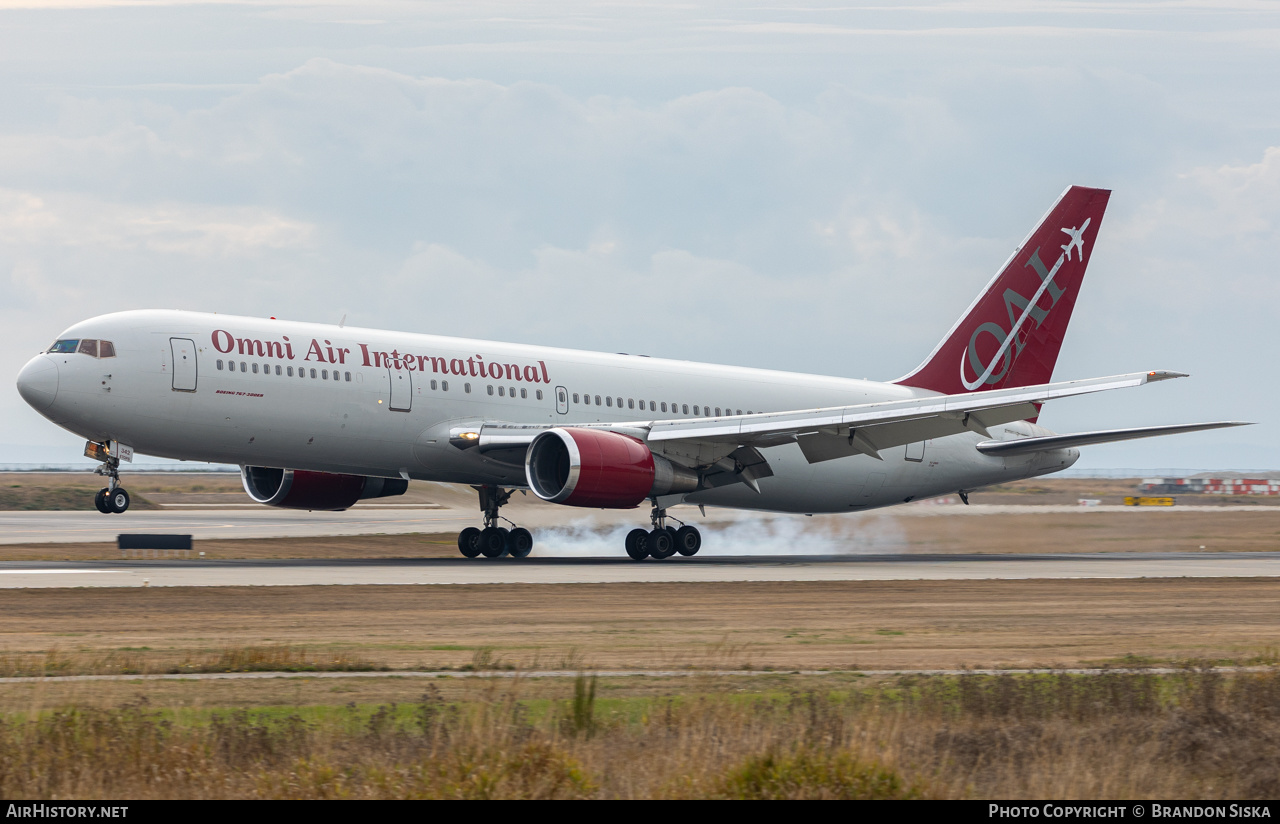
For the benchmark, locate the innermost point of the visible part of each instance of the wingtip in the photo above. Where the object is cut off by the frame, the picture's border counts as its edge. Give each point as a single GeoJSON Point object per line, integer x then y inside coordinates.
{"type": "Point", "coordinates": [1164, 375]}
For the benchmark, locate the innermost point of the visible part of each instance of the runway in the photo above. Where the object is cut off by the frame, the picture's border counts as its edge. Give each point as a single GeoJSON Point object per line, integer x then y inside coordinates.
{"type": "Point", "coordinates": [74, 527]}
{"type": "Point", "coordinates": [213, 524]}
{"type": "Point", "coordinates": [34, 574]}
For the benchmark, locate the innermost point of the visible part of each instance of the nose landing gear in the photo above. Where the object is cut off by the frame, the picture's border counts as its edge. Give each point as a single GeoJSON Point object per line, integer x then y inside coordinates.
{"type": "Point", "coordinates": [113, 498]}
{"type": "Point", "coordinates": [663, 540]}
{"type": "Point", "coordinates": [494, 541]}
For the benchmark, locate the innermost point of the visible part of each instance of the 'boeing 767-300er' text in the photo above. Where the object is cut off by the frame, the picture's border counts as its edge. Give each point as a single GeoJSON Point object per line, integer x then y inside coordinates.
{"type": "Point", "coordinates": [319, 417]}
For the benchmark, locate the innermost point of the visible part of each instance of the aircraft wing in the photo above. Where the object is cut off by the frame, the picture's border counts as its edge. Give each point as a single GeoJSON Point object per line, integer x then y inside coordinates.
{"type": "Point", "coordinates": [1025, 446]}
{"type": "Point", "coordinates": [826, 434]}
{"type": "Point", "coordinates": [822, 434]}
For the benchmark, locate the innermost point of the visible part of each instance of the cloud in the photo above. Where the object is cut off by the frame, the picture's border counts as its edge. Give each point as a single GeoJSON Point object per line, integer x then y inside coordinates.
{"type": "Point", "coordinates": [69, 220]}
{"type": "Point", "coordinates": [630, 185]}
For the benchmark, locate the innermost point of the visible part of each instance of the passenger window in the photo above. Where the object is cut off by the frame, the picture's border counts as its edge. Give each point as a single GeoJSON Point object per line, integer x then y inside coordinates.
{"type": "Point", "coordinates": [324, 374]}
{"type": "Point", "coordinates": [107, 349]}
{"type": "Point", "coordinates": [597, 400]}
{"type": "Point", "coordinates": [619, 403]}
{"type": "Point", "coordinates": [346, 376]}
{"type": "Point", "coordinates": [664, 406]}
{"type": "Point", "coordinates": [686, 409]}
{"type": "Point", "coordinates": [575, 397]}
{"type": "Point", "coordinates": [289, 371]}
{"type": "Point", "coordinates": [266, 369]}
{"type": "Point", "coordinates": [608, 400]}
{"type": "Point", "coordinates": [89, 347]}
{"type": "Point", "coordinates": [538, 392]}
{"type": "Point", "coordinates": [313, 374]}
{"type": "Point", "coordinates": [444, 386]}
{"type": "Point", "coordinates": [255, 369]}
{"type": "Point", "coordinates": [277, 370]}
{"type": "Point", "coordinates": [717, 411]}
{"type": "Point", "coordinates": [64, 347]}
{"type": "Point", "coordinates": [490, 388]}
{"type": "Point", "coordinates": [219, 366]}
{"type": "Point", "coordinates": [466, 387]}
{"type": "Point", "coordinates": [706, 411]}
{"type": "Point", "coordinates": [695, 409]}
{"type": "Point", "coordinates": [524, 393]}
{"type": "Point", "coordinates": [511, 390]}
{"type": "Point", "coordinates": [738, 412]}
{"type": "Point", "coordinates": [433, 386]}
{"type": "Point", "coordinates": [653, 406]}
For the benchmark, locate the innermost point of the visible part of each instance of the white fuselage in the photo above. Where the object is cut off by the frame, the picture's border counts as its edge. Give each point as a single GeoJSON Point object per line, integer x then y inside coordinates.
{"type": "Point", "coordinates": [389, 414]}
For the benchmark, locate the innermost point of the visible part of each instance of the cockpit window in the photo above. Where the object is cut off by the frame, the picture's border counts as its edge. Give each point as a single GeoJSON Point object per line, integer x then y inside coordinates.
{"type": "Point", "coordinates": [89, 347]}
{"type": "Point", "coordinates": [107, 349]}
{"type": "Point", "coordinates": [63, 347]}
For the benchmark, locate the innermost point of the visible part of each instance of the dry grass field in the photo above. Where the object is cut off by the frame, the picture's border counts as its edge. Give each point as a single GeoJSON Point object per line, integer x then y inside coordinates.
{"type": "Point", "coordinates": [774, 734]}
{"type": "Point", "coordinates": [1191, 735]}
{"type": "Point", "coordinates": [779, 626]}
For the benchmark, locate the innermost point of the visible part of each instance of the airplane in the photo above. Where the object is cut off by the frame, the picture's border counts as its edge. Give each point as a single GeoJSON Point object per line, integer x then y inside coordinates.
{"type": "Point", "coordinates": [319, 416]}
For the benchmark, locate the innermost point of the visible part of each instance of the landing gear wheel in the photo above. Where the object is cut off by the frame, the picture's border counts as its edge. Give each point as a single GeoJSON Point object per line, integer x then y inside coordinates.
{"type": "Point", "coordinates": [520, 542]}
{"type": "Point", "coordinates": [660, 544]}
{"type": "Point", "coordinates": [493, 542]}
{"type": "Point", "coordinates": [637, 546]}
{"type": "Point", "coordinates": [469, 542]}
{"type": "Point", "coordinates": [100, 501]}
{"type": "Point", "coordinates": [118, 500]}
{"type": "Point", "coordinates": [688, 540]}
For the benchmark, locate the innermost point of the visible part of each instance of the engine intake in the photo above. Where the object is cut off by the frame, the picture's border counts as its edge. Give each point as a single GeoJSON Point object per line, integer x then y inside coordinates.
{"type": "Point", "coordinates": [304, 489]}
{"type": "Point", "coordinates": [597, 468]}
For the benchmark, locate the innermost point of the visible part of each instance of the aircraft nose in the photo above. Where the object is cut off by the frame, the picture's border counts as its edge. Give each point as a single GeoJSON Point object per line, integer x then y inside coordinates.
{"type": "Point", "coordinates": [38, 382]}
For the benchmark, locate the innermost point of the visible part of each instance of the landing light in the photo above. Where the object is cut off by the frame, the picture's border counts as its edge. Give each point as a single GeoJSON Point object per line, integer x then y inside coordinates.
{"type": "Point", "coordinates": [470, 436]}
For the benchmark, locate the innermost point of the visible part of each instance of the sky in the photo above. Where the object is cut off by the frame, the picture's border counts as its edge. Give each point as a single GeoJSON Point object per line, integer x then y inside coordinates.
{"type": "Point", "coordinates": [817, 188]}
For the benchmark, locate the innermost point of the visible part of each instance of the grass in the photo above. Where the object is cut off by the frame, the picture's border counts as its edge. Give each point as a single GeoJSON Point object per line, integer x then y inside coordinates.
{"type": "Point", "coordinates": [142, 661]}
{"type": "Point", "coordinates": [1196, 734]}
{"type": "Point", "coordinates": [15, 497]}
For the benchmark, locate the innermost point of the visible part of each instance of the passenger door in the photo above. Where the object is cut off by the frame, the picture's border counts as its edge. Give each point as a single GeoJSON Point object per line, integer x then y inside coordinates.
{"type": "Point", "coordinates": [401, 389]}
{"type": "Point", "coordinates": [183, 351]}
{"type": "Point", "coordinates": [562, 400]}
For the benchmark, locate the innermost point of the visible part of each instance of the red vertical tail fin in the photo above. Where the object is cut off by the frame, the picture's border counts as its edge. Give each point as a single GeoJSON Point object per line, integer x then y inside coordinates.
{"type": "Point", "coordinates": [1010, 335]}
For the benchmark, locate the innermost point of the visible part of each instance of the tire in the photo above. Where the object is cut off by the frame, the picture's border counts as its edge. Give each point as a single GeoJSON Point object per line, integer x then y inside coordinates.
{"type": "Point", "coordinates": [520, 542]}
{"type": "Point", "coordinates": [660, 544]}
{"type": "Point", "coordinates": [493, 542]}
{"type": "Point", "coordinates": [469, 542]}
{"type": "Point", "coordinates": [100, 501]}
{"type": "Point", "coordinates": [637, 544]}
{"type": "Point", "coordinates": [118, 500]}
{"type": "Point", "coordinates": [688, 541]}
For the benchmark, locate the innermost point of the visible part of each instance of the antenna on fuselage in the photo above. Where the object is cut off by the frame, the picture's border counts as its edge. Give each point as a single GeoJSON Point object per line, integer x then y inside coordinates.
{"type": "Point", "coordinates": [342, 322]}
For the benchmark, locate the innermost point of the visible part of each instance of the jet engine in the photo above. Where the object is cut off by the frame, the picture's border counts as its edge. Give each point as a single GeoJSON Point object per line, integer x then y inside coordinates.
{"type": "Point", "coordinates": [592, 467]}
{"type": "Point", "coordinates": [303, 489]}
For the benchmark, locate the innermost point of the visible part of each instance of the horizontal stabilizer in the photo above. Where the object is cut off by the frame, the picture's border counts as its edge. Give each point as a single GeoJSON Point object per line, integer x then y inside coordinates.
{"type": "Point", "coordinates": [1023, 446]}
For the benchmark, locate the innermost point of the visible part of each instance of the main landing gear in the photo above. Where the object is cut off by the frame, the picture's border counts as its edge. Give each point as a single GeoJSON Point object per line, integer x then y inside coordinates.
{"type": "Point", "coordinates": [663, 540]}
{"type": "Point", "coordinates": [113, 498]}
{"type": "Point", "coordinates": [494, 541]}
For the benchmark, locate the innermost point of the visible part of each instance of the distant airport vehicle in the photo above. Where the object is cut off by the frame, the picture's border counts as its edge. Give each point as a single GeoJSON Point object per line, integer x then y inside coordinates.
{"type": "Point", "coordinates": [320, 416]}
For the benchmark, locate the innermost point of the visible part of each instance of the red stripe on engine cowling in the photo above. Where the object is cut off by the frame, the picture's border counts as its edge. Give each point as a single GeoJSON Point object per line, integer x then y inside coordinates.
{"type": "Point", "coordinates": [616, 471]}
{"type": "Point", "coordinates": [322, 490]}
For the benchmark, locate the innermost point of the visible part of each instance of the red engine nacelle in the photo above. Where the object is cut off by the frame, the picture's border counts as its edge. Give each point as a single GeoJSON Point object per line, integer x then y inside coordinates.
{"type": "Point", "coordinates": [303, 489]}
{"type": "Point", "coordinates": [592, 467]}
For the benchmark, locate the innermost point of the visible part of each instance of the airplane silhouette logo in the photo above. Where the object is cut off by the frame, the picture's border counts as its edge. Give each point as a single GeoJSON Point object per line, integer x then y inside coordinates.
{"type": "Point", "coordinates": [1077, 239]}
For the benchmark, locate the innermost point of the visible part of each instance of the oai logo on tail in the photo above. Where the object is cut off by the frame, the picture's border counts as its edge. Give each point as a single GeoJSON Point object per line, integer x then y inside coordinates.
{"type": "Point", "coordinates": [1004, 357]}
